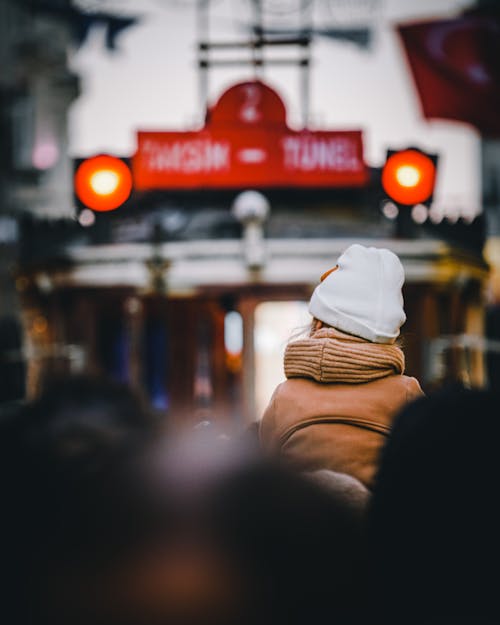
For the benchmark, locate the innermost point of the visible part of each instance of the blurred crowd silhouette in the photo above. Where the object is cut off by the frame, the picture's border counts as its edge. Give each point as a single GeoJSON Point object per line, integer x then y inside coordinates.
{"type": "Point", "coordinates": [107, 517]}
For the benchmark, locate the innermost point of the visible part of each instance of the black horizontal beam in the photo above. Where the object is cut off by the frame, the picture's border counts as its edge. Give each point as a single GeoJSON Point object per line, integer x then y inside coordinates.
{"type": "Point", "coordinates": [205, 63]}
{"type": "Point", "coordinates": [255, 43]}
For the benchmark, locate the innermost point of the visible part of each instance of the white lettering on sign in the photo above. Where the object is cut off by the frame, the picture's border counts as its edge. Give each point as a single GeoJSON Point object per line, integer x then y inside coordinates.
{"type": "Point", "coordinates": [249, 112]}
{"type": "Point", "coordinates": [252, 155]}
{"type": "Point", "coordinates": [188, 156]}
{"type": "Point", "coordinates": [321, 154]}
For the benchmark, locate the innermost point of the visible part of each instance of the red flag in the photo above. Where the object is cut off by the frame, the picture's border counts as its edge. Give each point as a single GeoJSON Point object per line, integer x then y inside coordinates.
{"type": "Point", "coordinates": [456, 67]}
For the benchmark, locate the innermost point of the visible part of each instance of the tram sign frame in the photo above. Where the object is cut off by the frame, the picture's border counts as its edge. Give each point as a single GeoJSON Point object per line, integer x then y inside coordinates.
{"type": "Point", "coordinates": [246, 142]}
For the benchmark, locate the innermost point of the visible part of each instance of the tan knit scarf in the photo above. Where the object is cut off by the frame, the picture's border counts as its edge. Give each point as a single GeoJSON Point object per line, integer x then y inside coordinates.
{"type": "Point", "coordinates": [331, 356]}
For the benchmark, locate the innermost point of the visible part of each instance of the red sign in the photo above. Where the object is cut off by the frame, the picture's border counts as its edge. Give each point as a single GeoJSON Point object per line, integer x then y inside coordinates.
{"type": "Point", "coordinates": [246, 143]}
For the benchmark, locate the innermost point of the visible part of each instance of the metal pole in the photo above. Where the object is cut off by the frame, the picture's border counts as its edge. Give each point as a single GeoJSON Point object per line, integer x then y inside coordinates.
{"type": "Point", "coordinates": [305, 62]}
{"type": "Point", "coordinates": [258, 48]}
{"type": "Point", "coordinates": [304, 90]}
{"type": "Point", "coordinates": [203, 30]}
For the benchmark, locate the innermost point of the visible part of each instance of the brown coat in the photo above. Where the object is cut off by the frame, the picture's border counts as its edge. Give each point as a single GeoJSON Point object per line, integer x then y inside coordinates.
{"type": "Point", "coordinates": [341, 427]}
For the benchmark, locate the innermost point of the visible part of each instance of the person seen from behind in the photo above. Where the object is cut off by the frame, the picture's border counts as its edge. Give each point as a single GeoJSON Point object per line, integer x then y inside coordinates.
{"type": "Point", "coordinates": [345, 381]}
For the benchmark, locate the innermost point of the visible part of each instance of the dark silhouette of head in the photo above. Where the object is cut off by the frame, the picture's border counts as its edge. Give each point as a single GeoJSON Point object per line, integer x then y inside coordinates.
{"type": "Point", "coordinates": [433, 532]}
{"type": "Point", "coordinates": [298, 543]}
{"type": "Point", "coordinates": [65, 465]}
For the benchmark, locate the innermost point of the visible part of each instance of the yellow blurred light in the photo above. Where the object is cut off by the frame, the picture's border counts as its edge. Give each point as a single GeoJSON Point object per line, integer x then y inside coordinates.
{"type": "Point", "coordinates": [408, 176]}
{"type": "Point", "coordinates": [104, 182]}
{"type": "Point", "coordinates": [40, 325]}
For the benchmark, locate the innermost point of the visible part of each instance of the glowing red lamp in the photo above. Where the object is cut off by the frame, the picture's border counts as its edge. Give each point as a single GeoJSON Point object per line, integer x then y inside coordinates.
{"type": "Point", "coordinates": [409, 176]}
{"type": "Point", "coordinates": [103, 183]}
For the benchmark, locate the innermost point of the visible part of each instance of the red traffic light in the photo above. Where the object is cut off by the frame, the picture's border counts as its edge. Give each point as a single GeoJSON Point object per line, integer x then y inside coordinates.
{"type": "Point", "coordinates": [409, 176]}
{"type": "Point", "coordinates": [103, 182]}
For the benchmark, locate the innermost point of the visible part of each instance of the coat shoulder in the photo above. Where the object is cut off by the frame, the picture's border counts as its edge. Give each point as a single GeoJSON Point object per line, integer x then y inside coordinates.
{"type": "Point", "coordinates": [283, 408]}
{"type": "Point", "coordinates": [413, 388]}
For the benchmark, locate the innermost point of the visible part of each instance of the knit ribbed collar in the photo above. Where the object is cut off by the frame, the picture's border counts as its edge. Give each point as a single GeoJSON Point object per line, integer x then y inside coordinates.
{"type": "Point", "coordinates": [331, 356]}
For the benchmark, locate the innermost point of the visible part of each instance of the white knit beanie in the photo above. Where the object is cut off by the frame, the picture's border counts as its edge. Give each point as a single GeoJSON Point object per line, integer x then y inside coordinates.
{"type": "Point", "coordinates": [363, 296]}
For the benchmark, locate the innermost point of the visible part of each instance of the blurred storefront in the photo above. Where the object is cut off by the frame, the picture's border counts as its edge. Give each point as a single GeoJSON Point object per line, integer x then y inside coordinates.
{"type": "Point", "coordinates": [104, 313]}
{"type": "Point", "coordinates": [36, 90]}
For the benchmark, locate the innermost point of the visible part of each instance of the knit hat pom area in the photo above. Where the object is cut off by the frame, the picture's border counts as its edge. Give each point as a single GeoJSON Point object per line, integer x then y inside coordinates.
{"type": "Point", "coordinates": [363, 297]}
